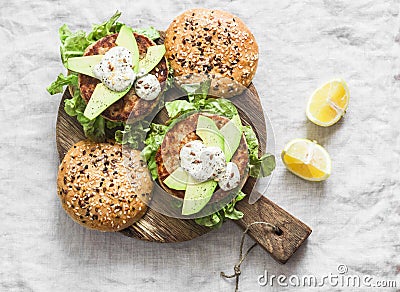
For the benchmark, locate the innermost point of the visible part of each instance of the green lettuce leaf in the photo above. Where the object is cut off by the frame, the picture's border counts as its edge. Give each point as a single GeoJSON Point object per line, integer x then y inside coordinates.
{"type": "Point", "coordinates": [133, 134]}
{"type": "Point", "coordinates": [218, 106]}
{"type": "Point", "coordinates": [74, 44]}
{"type": "Point", "coordinates": [75, 107]}
{"type": "Point", "coordinates": [150, 32]}
{"type": "Point", "coordinates": [106, 28]}
{"type": "Point", "coordinates": [93, 129]}
{"type": "Point", "coordinates": [113, 125]}
{"type": "Point", "coordinates": [197, 90]}
{"type": "Point", "coordinates": [153, 142]}
{"type": "Point", "coordinates": [216, 219]}
{"type": "Point", "coordinates": [178, 107]}
{"type": "Point", "coordinates": [259, 166]}
{"type": "Point", "coordinates": [263, 167]}
{"type": "Point", "coordinates": [58, 85]}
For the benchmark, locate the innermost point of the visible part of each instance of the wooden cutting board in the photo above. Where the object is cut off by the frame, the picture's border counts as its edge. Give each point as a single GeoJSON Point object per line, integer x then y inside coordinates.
{"type": "Point", "coordinates": [160, 228]}
{"type": "Point", "coordinates": [157, 227]}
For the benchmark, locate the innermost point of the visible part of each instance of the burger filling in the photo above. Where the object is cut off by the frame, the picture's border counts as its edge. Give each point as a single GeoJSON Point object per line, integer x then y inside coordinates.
{"type": "Point", "coordinates": [206, 163]}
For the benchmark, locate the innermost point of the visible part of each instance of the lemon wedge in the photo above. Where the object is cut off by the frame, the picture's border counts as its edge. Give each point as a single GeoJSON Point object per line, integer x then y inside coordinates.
{"type": "Point", "coordinates": [328, 103]}
{"type": "Point", "coordinates": [307, 159]}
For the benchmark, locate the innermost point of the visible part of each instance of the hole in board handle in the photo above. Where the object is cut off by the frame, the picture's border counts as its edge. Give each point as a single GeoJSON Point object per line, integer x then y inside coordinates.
{"type": "Point", "coordinates": [278, 231]}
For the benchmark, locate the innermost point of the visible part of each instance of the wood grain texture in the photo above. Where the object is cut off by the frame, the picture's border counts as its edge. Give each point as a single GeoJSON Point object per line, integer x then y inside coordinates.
{"type": "Point", "coordinates": [280, 246]}
{"type": "Point", "coordinates": [160, 228]}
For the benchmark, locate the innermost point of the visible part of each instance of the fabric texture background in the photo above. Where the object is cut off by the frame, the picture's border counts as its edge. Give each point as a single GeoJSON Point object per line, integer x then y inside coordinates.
{"type": "Point", "coordinates": [355, 214]}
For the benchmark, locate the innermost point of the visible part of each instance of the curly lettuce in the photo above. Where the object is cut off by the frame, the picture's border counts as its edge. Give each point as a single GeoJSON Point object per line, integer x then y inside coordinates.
{"type": "Point", "coordinates": [150, 32]}
{"type": "Point", "coordinates": [153, 141]}
{"type": "Point", "coordinates": [73, 44]}
{"type": "Point", "coordinates": [216, 219]}
{"type": "Point", "coordinates": [61, 81]}
{"type": "Point", "coordinates": [259, 166]}
{"type": "Point", "coordinates": [133, 134]}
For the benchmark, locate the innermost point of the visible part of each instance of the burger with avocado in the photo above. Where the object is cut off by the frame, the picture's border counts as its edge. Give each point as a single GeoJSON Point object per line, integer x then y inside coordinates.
{"type": "Point", "coordinates": [114, 72]}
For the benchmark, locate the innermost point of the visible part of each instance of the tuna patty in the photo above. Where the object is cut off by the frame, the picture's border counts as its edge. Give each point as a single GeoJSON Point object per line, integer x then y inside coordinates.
{"type": "Point", "coordinates": [167, 156]}
{"type": "Point", "coordinates": [130, 103]}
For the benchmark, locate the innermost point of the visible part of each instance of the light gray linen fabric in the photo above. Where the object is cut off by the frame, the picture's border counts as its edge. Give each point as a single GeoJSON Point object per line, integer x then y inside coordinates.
{"type": "Point", "coordinates": [355, 214]}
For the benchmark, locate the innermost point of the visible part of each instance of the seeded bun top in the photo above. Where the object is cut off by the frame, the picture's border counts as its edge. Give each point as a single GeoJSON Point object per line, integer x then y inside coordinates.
{"type": "Point", "coordinates": [98, 191]}
{"type": "Point", "coordinates": [214, 43]}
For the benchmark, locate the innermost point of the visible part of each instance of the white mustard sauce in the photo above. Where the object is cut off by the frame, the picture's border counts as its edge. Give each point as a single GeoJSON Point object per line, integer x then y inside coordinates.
{"type": "Point", "coordinates": [205, 163]}
{"type": "Point", "coordinates": [147, 87]}
{"type": "Point", "coordinates": [115, 69]}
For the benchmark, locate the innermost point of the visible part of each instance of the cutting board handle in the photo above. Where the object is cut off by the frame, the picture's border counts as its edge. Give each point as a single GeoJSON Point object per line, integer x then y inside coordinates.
{"type": "Point", "coordinates": [282, 243]}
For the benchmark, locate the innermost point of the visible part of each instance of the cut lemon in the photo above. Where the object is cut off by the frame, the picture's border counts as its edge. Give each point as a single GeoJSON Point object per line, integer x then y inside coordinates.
{"type": "Point", "coordinates": [328, 103]}
{"type": "Point", "coordinates": [307, 159]}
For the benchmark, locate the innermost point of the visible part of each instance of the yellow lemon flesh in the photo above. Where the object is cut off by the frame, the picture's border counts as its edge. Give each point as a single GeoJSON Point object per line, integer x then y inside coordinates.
{"type": "Point", "coordinates": [307, 160]}
{"type": "Point", "coordinates": [328, 103]}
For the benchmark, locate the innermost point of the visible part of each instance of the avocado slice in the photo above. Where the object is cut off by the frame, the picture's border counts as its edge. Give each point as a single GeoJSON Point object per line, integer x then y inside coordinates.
{"type": "Point", "coordinates": [153, 57]}
{"type": "Point", "coordinates": [84, 65]}
{"type": "Point", "coordinates": [177, 180]}
{"type": "Point", "coordinates": [232, 136]}
{"type": "Point", "coordinates": [238, 123]}
{"type": "Point", "coordinates": [197, 195]}
{"type": "Point", "coordinates": [101, 99]}
{"type": "Point", "coordinates": [208, 131]}
{"type": "Point", "coordinates": [127, 40]}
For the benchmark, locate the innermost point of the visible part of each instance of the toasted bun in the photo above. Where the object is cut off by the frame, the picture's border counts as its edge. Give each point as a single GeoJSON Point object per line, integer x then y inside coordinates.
{"type": "Point", "coordinates": [130, 106]}
{"type": "Point", "coordinates": [213, 43]}
{"type": "Point", "coordinates": [95, 189]}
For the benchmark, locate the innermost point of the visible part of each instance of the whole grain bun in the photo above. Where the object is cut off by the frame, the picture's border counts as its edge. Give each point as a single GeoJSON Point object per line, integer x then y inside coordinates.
{"type": "Point", "coordinates": [215, 44]}
{"type": "Point", "coordinates": [98, 191]}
